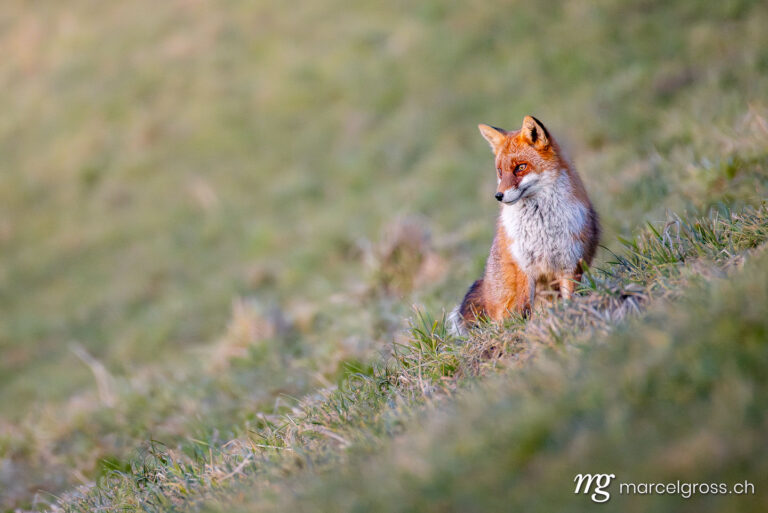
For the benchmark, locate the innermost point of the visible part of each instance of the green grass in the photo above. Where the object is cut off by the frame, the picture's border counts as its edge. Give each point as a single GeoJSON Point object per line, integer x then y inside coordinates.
{"type": "Point", "coordinates": [676, 395]}
{"type": "Point", "coordinates": [556, 383]}
{"type": "Point", "coordinates": [212, 216]}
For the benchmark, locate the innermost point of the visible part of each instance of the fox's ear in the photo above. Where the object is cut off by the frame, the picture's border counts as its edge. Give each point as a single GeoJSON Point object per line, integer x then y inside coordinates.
{"type": "Point", "coordinates": [494, 136]}
{"type": "Point", "coordinates": [534, 133]}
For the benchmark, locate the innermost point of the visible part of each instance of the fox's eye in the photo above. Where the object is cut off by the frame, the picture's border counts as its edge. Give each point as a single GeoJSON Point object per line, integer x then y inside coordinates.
{"type": "Point", "coordinates": [520, 167]}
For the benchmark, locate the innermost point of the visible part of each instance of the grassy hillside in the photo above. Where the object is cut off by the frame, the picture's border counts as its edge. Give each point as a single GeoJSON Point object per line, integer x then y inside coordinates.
{"type": "Point", "coordinates": [678, 394]}
{"type": "Point", "coordinates": [673, 393]}
{"type": "Point", "coordinates": [212, 215]}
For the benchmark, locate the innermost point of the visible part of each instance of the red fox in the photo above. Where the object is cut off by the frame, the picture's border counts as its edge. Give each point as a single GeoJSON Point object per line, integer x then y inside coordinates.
{"type": "Point", "coordinates": [546, 232]}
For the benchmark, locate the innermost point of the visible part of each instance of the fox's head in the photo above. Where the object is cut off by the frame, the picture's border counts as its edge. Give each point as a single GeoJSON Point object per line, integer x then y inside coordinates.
{"type": "Point", "coordinates": [527, 160]}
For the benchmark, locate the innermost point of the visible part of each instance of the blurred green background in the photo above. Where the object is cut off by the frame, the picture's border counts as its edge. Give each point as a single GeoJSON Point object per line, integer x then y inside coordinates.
{"type": "Point", "coordinates": [162, 161]}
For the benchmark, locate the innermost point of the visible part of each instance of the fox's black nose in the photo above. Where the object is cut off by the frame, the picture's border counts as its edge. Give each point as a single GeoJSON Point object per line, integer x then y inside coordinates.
{"type": "Point", "coordinates": [499, 195]}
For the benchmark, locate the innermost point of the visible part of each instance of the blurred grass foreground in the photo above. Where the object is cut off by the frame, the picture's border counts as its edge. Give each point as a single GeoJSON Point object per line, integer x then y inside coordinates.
{"type": "Point", "coordinates": [215, 219]}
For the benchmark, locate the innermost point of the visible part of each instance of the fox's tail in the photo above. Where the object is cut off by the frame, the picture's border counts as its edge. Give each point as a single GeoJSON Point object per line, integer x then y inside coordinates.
{"type": "Point", "coordinates": [456, 324]}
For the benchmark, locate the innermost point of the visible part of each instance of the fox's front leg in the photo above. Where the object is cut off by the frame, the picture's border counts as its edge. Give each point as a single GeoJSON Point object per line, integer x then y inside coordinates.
{"type": "Point", "coordinates": [528, 305]}
{"type": "Point", "coordinates": [567, 285]}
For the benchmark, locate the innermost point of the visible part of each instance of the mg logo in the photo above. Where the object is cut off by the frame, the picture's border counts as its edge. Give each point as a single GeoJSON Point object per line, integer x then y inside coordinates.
{"type": "Point", "coordinates": [601, 482]}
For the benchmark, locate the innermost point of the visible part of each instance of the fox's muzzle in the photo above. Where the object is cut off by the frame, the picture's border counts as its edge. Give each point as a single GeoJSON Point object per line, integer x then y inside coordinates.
{"type": "Point", "coordinates": [512, 195]}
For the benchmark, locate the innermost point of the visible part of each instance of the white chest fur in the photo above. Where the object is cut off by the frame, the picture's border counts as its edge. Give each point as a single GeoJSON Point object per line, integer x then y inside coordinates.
{"type": "Point", "coordinates": [544, 229]}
